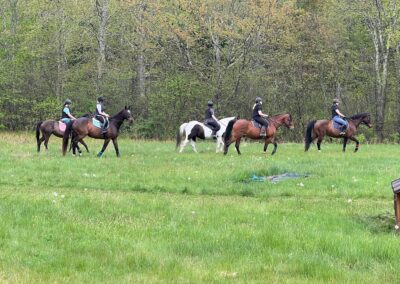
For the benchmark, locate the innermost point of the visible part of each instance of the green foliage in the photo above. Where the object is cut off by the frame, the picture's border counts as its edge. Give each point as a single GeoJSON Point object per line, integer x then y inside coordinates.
{"type": "Point", "coordinates": [167, 58]}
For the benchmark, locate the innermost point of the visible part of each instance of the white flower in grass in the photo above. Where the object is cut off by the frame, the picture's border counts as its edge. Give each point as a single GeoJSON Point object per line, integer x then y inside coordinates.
{"type": "Point", "coordinates": [396, 227]}
{"type": "Point", "coordinates": [349, 200]}
{"type": "Point", "coordinates": [333, 186]}
{"type": "Point", "coordinates": [301, 184]}
{"type": "Point", "coordinates": [85, 189]}
{"type": "Point", "coordinates": [55, 193]}
{"type": "Point", "coordinates": [62, 195]}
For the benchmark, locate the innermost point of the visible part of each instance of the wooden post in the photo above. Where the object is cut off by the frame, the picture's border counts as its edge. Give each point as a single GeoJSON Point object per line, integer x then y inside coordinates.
{"type": "Point", "coordinates": [396, 191]}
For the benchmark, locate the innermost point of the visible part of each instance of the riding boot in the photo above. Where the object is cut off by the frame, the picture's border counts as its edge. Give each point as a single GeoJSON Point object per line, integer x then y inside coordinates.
{"type": "Point", "coordinates": [343, 130]}
{"type": "Point", "coordinates": [263, 131]}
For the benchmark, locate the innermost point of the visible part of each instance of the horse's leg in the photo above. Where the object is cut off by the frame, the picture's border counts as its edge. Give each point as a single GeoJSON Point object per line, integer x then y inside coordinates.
{"type": "Point", "coordinates": [193, 143]}
{"type": "Point", "coordinates": [237, 144]}
{"type": "Point", "coordinates": [344, 143]}
{"type": "Point", "coordinates": [115, 142]}
{"type": "Point", "coordinates": [319, 142]}
{"type": "Point", "coordinates": [104, 147]}
{"type": "Point", "coordinates": [84, 144]}
{"type": "Point", "coordinates": [46, 141]}
{"type": "Point", "coordinates": [266, 146]}
{"type": "Point", "coordinates": [40, 142]}
{"type": "Point", "coordinates": [220, 144]}
{"type": "Point", "coordinates": [183, 144]}
{"type": "Point", "coordinates": [357, 142]}
{"type": "Point", "coordinates": [275, 147]}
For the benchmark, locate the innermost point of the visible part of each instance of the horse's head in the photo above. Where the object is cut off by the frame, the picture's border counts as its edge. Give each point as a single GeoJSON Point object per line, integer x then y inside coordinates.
{"type": "Point", "coordinates": [367, 120]}
{"type": "Point", "coordinates": [288, 121]}
{"type": "Point", "coordinates": [126, 114]}
{"type": "Point", "coordinates": [364, 118]}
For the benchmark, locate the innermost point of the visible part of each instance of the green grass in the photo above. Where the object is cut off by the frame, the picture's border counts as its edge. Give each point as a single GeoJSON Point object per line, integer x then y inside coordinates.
{"type": "Point", "coordinates": [157, 216]}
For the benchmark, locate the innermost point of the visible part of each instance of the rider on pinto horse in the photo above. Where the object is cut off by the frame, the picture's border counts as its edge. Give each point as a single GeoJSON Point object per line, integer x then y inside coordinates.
{"type": "Point", "coordinates": [337, 116]}
{"type": "Point", "coordinates": [210, 119]}
{"type": "Point", "coordinates": [259, 116]}
{"type": "Point", "coordinates": [66, 115]}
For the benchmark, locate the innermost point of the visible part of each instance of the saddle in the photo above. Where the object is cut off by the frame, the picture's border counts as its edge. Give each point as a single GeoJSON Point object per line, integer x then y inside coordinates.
{"type": "Point", "coordinates": [338, 126]}
{"type": "Point", "coordinates": [256, 124]}
{"type": "Point", "coordinates": [97, 123]}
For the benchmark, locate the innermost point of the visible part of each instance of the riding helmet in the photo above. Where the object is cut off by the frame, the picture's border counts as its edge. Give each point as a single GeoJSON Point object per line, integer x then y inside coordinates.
{"type": "Point", "coordinates": [335, 100]}
{"type": "Point", "coordinates": [100, 99]}
{"type": "Point", "coordinates": [67, 102]}
{"type": "Point", "coordinates": [210, 103]}
{"type": "Point", "coordinates": [258, 100]}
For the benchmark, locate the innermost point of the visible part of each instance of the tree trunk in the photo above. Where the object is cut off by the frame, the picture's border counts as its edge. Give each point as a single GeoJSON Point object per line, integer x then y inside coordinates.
{"type": "Point", "coordinates": [397, 60]}
{"type": "Point", "coordinates": [60, 55]}
{"type": "Point", "coordinates": [379, 26]}
{"type": "Point", "coordinates": [102, 13]}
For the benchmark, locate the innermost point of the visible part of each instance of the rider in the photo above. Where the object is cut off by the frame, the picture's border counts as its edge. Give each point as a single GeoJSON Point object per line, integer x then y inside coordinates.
{"type": "Point", "coordinates": [260, 117]}
{"type": "Point", "coordinates": [66, 115]}
{"type": "Point", "coordinates": [101, 115]}
{"type": "Point", "coordinates": [337, 116]}
{"type": "Point", "coordinates": [210, 119]}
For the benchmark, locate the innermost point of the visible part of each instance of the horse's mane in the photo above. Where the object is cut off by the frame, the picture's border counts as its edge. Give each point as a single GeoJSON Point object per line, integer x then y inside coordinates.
{"type": "Point", "coordinates": [359, 115]}
{"type": "Point", "coordinates": [118, 115]}
{"type": "Point", "coordinates": [281, 114]}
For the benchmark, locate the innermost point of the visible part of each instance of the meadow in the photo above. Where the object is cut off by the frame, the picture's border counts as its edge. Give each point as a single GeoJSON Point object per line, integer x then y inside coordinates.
{"type": "Point", "coordinates": [156, 216]}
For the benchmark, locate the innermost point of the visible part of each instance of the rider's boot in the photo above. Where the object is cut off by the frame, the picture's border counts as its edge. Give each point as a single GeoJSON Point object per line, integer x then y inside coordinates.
{"type": "Point", "coordinates": [263, 131]}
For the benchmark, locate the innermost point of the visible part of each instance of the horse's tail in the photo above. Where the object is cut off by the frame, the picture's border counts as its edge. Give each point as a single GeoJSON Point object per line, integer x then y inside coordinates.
{"type": "Point", "coordinates": [67, 134]}
{"type": "Point", "coordinates": [228, 131]}
{"type": "Point", "coordinates": [179, 134]}
{"type": "Point", "coordinates": [309, 132]}
{"type": "Point", "coordinates": [38, 132]}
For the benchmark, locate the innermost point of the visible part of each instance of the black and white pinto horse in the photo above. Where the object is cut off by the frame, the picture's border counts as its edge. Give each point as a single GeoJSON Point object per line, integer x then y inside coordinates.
{"type": "Point", "coordinates": [192, 130]}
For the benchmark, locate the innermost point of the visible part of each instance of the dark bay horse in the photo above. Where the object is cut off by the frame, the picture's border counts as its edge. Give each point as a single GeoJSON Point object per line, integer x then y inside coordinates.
{"type": "Point", "coordinates": [48, 128]}
{"type": "Point", "coordinates": [83, 127]}
{"type": "Point", "coordinates": [317, 129]}
{"type": "Point", "coordinates": [244, 128]}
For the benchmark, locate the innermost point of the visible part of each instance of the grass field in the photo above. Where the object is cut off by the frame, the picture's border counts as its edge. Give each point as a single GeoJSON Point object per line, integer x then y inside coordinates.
{"type": "Point", "coordinates": [157, 216]}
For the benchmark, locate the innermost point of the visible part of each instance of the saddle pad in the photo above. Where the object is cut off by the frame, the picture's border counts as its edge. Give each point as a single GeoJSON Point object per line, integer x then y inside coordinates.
{"type": "Point", "coordinates": [96, 123]}
{"type": "Point", "coordinates": [62, 126]}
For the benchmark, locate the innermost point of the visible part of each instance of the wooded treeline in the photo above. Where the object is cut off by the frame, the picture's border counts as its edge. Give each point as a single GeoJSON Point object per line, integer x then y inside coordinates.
{"type": "Point", "coordinates": [166, 59]}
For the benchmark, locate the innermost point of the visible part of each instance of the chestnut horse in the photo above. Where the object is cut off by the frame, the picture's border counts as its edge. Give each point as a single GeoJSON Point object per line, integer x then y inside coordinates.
{"type": "Point", "coordinates": [320, 128]}
{"type": "Point", "coordinates": [237, 129]}
{"type": "Point", "coordinates": [83, 127]}
{"type": "Point", "coordinates": [48, 128]}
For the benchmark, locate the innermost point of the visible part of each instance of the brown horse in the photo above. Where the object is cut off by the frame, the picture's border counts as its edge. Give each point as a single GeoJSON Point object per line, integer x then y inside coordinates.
{"type": "Point", "coordinates": [237, 129]}
{"type": "Point", "coordinates": [320, 128]}
{"type": "Point", "coordinates": [83, 127]}
{"type": "Point", "coordinates": [48, 128]}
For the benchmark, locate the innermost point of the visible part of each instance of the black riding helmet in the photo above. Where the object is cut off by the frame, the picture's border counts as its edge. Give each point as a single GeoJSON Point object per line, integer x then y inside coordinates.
{"type": "Point", "coordinates": [258, 100]}
{"type": "Point", "coordinates": [100, 99]}
{"type": "Point", "coordinates": [210, 103]}
{"type": "Point", "coordinates": [67, 102]}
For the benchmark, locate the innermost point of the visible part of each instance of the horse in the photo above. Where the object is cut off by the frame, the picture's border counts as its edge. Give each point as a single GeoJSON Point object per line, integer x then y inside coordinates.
{"type": "Point", "coordinates": [192, 130]}
{"type": "Point", "coordinates": [237, 129]}
{"type": "Point", "coordinates": [83, 127]}
{"type": "Point", "coordinates": [48, 128]}
{"type": "Point", "coordinates": [320, 128]}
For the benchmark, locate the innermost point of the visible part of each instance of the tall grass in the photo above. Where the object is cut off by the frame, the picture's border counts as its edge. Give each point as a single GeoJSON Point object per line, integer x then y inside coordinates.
{"type": "Point", "coordinates": [154, 215]}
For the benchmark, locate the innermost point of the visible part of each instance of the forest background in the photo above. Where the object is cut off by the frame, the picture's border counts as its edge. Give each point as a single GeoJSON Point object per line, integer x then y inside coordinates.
{"type": "Point", "coordinates": [166, 59]}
